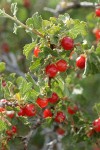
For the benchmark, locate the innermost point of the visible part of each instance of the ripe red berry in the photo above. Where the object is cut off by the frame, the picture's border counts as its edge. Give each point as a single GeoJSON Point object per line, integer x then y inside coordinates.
{"type": "Point", "coordinates": [5, 47]}
{"type": "Point", "coordinates": [67, 43]}
{"type": "Point", "coordinates": [47, 113]}
{"type": "Point", "coordinates": [80, 62]}
{"type": "Point", "coordinates": [9, 133]}
{"type": "Point", "coordinates": [36, 51]}
{"type": "Point", "coordinates": [97, 34]}
{"type": "Point", "coordinates": [26, 3]}
{"type": "Point", "coordinates": [60, 131]}
{"type": "Point", "coordinates": [2, 109]}
{"type": "Point", "coordinates": [72, 110]}
{"type": "Point", "coordinates": [10, 114]}
{"type": "Point", "coordinates": [51, 70]}
{"type": "Point", "coordinates": [97, 12]}
{"type": "Point", "coordinates": [21, 112]}
{"type": "Point", "coordinates": [42, 102]}
{"type": "Point", "coordinates": [3, 83]}
{"type": "Point", "coordinates": [96, 125]}
{"type": "Point", "coordinates": [14, 129]}
{"type": "Point", "coordinates": [60, 117]}
{"type": "Point", "coordinates": [30, 110]}
{"type": "Point", "coordinates": [54, 98]}
{"type": "Point", "coordinates": [61, 65]}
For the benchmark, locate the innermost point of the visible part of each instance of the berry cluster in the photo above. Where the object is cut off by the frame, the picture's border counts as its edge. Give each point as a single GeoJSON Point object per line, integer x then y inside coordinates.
{"type": "Point", "coordinates": [60, 117]}
{"type": "Point", "coordinates": [28, 110]}
{"type": "Point", "coordinates": [52, 69]}
{"type": "Point", "coordinates": [11, 132]}
{"type": "Point", "coordinates": [96, 31]}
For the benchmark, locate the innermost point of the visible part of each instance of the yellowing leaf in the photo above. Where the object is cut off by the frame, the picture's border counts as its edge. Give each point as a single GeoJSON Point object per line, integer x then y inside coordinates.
{"type": "Point", "coordinates": [18, 97]}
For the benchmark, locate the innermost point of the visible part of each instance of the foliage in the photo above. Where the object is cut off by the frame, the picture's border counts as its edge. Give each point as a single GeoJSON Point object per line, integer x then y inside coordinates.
{"type": "Point", "coordinates": [74, 87]}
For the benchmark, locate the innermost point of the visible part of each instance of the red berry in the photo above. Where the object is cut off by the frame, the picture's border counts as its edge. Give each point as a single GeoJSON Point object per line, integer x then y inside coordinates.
{"type": "Point", "coordinates": [67, 43]}
{"type": "Point", "coordinates": [5, 47]}
{"type": "Point", "coordinates": [2, 109]}
{"type": "Point", "coordinates": [97, 12]}
{"type": "Point", "coordinates": [51, 70]}
{"type": "Point", "coordinates": [3, 83]}
{"type": "Point", "coordinates": [61, 65]}
{"type": "Point", "coordinates": [54, 98]}
{"type": "Point", "coordinates": [80, 62]}
{"type": "Point", "coordinates": [26, 3]}
{"type": "Point", "coordinates": [96, 125]}
{"type": "Point", "coordinates": [21, 112]}
{"type": "Point", "coordinates": [72, 110]}
{"type": "Point", "coordinates": [10, 114]}
{"type": "Point", "coordinates": [36, 51]}
{"type": "Point", "coordinates": [47, 113]}
{"type": "Point", "coordinates": [30, 110]}
{"type": "Point", "coordinates": [42, 102]}
{"type": "Point", "coordinates": [97, 34]}
{"type": "Point", "coordinates": [60, 131]}
{"type": "Point", "coordinates": [9, 133]}
{"type": "Point", "coordinates": [60, 117]}
{"type": "Point", "coordinates": [14, 129]}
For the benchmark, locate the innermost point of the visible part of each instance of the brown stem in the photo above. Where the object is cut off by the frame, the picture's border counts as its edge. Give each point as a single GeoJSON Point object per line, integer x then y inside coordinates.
{"type": "Point", "coordinates": [25, 139]}
{"type": "Point", "coordinates": [49, 82]}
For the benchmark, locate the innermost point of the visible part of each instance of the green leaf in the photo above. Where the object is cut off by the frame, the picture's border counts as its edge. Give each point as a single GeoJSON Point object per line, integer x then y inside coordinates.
{"type": "Point", "coordinates": [31, 96]}
{"type": "Point", "coordinates": [2, 126]}
{"type": "Point", "coordinates": [28, 49]}
{"type": "Point", "coordinates": [24, 86]}
{"type": "Point", "coordinates": [98, 50]}
{"type": "Point", "coordinates": [35, 64]}
{"type": "Point", "coordinates": [2, 11]}
{"type": "Point", "coordinates": [46, 24]}
{"type": "Point", "coordinates": [7, 90]}
{"type": "Point", "coordinates": [35, 21]}
{"type": "Point", "coordinates": [30, 79]}
{"type": "Point", "coordinates": [78, 28]}
{"type": "Point", "coordinates": [54, 29]}
{"type": "Point", "coordinates": [1, 90]}
{"type": "Point", "coordinates": [2, 66]}
{"type": "Point", "coordinates": [64, 18]}
{"type": "Point", "coordinates": [14, 8]}
{"type": "Point", "coordinates": [66, 91]}
{"type": "Point", "coordinates": [48, 51]}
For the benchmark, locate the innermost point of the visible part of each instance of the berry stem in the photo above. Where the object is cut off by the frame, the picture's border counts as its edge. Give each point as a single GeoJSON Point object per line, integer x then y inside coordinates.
{"type": "Point", "coordinates": [23, 25]}
{"type": "Point", "coordinates": [49, 82]}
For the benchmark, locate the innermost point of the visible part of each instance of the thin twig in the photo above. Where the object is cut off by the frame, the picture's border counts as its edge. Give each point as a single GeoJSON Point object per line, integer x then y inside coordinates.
{"type": "Point", "coordinates": [23, 25]}
{"type": "Point", "coordinates": [26, 139]}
